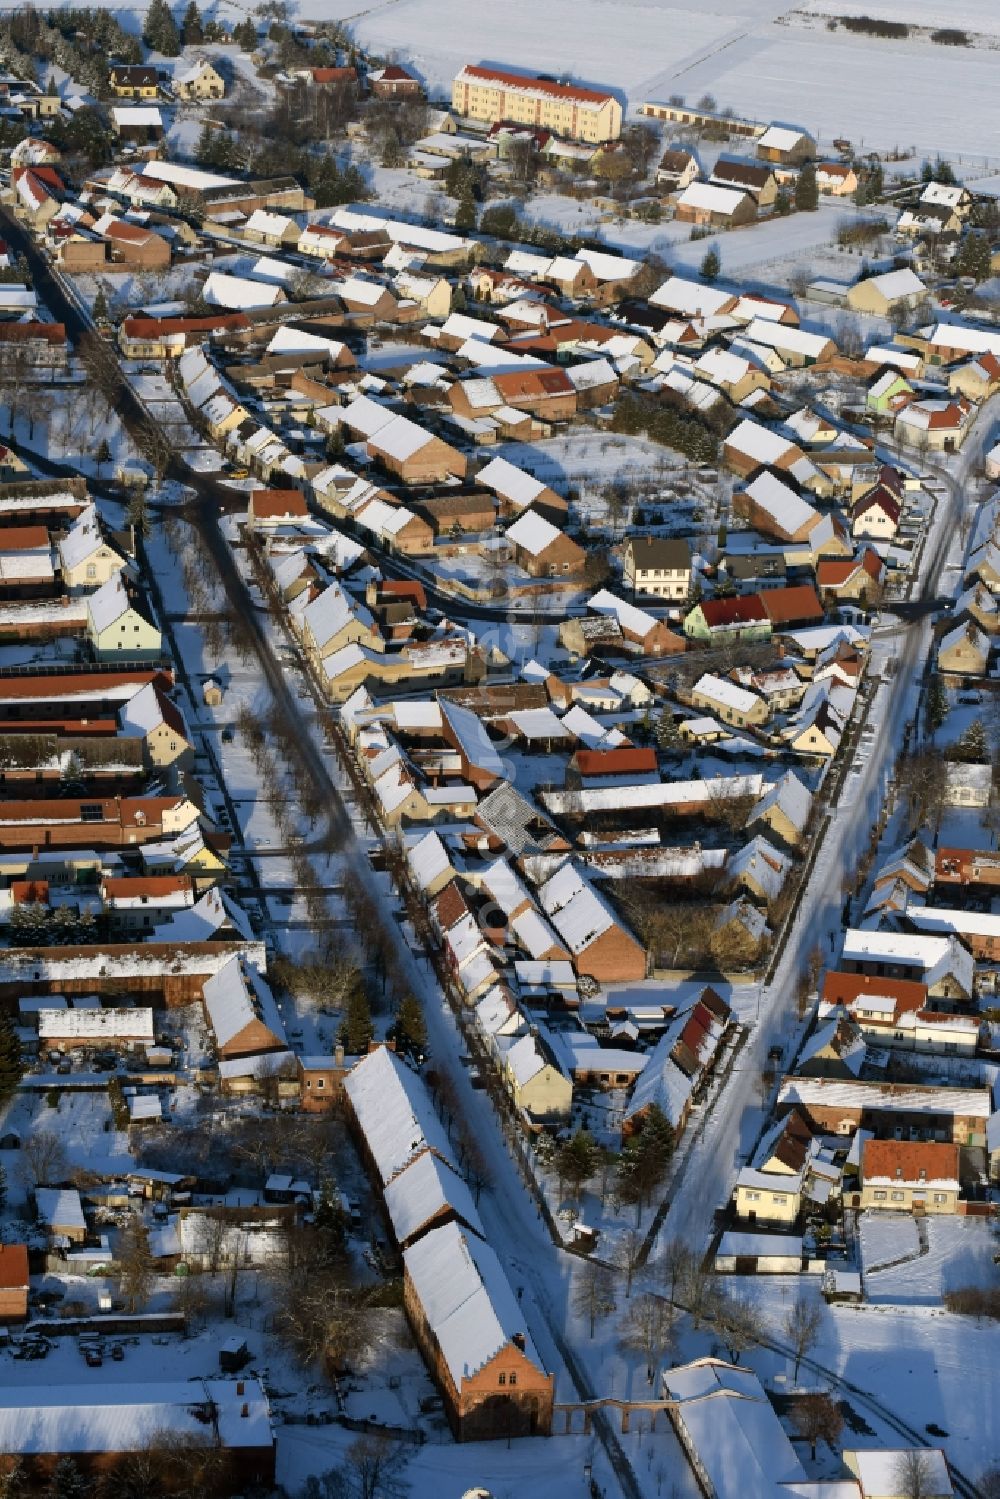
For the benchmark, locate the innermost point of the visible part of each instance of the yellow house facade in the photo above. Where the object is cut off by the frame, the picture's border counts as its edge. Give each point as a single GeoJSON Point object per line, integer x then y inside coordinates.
{"type": "Point", "coordinates": [201, 81]}
{"type": "Point", "coordinates": [574, 113]}
{"type": "Point", "coordinates": [768, 1197]}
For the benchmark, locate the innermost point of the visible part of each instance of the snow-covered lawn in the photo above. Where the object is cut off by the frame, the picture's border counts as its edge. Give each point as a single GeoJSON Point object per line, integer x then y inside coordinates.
{"type": "Point", "coordinates": [886, 1237]}
{"type": "Point", "coordinates": [960, 1253]}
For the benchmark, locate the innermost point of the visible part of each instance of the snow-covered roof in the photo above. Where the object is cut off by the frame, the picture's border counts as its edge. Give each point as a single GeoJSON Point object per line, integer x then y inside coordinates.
{"type": "Point", "coordinates": [721, 690]}
{"type": "Point", "coordinates": [235, 997]}
{"type": "Point", "coordinates": [532, 533]}
{"type": "Point", "coordinates": [706, 195]}
{"type": "Point", "coordinates": [510, 482]}
{"type": "Point", "coordinates": [108, 604]}
{"type": "Point", "coordinates": [732, 1427]}
{"type": "Point", "coordinates": [238, 292]}
{"type": "Point", "coordinates": [394, 1113]}
{"type": "Point", "coordinates": [427, 860]}
{"type": "Point", "coordinates": [195, 179]}
{"type": "Point", "coordinates": [129, 1417]}
{"type": "Point", "coordinates": [146, 115]}
{"type": "Point", "coordinates": [60, 1207]}
{"type": "Point", "coordinates": [427, 1189]}
{"type": "Point", "coordinates": [579, 914]}
{"type": "Point", "coordinates": [467, 1300]}
{"type": "Point", "coordinates": [691, 298]}
{"type": "Point", "coordinates": [780, 138]}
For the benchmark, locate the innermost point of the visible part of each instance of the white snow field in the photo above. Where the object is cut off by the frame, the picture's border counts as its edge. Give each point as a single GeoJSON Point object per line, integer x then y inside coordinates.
{"type": "Point", "coordinates": [766, 60]}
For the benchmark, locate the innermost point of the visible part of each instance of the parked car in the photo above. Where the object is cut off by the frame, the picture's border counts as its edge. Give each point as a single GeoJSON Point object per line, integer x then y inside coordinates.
{"type": "Point", "coordinates": [94, 1358]}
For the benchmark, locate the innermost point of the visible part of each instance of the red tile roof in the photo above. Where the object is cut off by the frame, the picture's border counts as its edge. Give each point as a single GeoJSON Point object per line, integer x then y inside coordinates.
{"type": "Point", "coordinates": [615, 762]}
{"type": "Point", "coordinates": [846, 988]}
{"type": "Point", "coordinates": [50, 333]}
{"type": "Point", "coordinates": [541, 85]}
{"type": "Point", "coordinates": [720, 613]}
{"type": "Point", "coordinates": [909, 1161]}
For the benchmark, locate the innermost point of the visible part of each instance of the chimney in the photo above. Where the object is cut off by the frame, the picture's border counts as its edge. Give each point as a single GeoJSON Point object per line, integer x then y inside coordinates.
{"type": "Point", "coordinates": [244, 1409]}
{"type": "Point", "coordinates": [338, 1054]}
{"type": "Point", "coordinates": [240, 1387]}
{"type": "Point", "coordinates": [517, 1339]}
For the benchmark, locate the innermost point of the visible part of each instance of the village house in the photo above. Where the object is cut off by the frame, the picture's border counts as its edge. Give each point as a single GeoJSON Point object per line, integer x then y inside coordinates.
{"type": "Point", "coordinates": [678, 169]}
{"type": "Point", "coordinates": [542, 549]}
{"type": "Point", "coordinates": [881, 295]}
{"type": "Point", "coordinates": [751, 177]}
{"type": "Point", "coordinates": [134, 82]}
{"type": "Point", "coordinates": [917, 1111]}
{"type": "Point", "coordinates": [977, 380]}
{"type": "Point", "coordinates": [898, 1013]}
{"type": "Point", "coordinates": [137, 124]}
{"type": "Point", "coordinates": [787, 147]}
{"type": "Point", "coordinates": [909, 1176]}
{"type": "Point", "coordinates": [394, 82]}
{"type": "Point", "coordinates": [660, 566]}
{"type": "Point", "coordinates": [875, 515]}
{"type": "Point", "coordinates": [14, 1283]}
{"type": "Point", "coordinates": [115, 628]}
{"type": "Point", "coordinates": [469, 1327]}
{"type": "Point", "coordinates": [888, 392]}
{"type": "Point", "coordinates": [724, 621]}
{"type": "Point", "coordinates": [242, 1012]}
{"type": "Point", "coordinates": [537, 1083]}
{"type": "Point", "coordinates": [198, 81]}
{"type": "Point", "coordinates": [574, 113]}
{"type": "Point", "coordinates": [934, 425]}
{"type": "Point", "coordinates": [854, 581]}
{"type": "Point", "coordinates": [964, 651]}
{"type": "Point", "coordinates": [734, 705]}
{"type": "Point", "coordinates": [836, 179]}
{"type": "Point", "coordinates": [710, 206]}
{"type": "Point", "coordinates": [268, 508]}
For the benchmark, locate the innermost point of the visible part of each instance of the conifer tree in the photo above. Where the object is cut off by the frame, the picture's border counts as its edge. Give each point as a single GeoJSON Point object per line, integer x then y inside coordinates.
{"type": "Point", "coordinates": [711, 265]}
{"type": "Point", "coordinates": [11, 1059]}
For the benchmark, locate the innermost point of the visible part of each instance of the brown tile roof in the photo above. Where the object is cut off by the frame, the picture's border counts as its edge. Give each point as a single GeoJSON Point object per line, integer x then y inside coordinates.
{"type": "Point", "coordinates": [794, 605]}
{"type": "Point", "coordinates": [23, 538]}
{"type": "Point", "coordinates": [267, 503]}
{"type": "Point", "coordinates": [13, 1267]}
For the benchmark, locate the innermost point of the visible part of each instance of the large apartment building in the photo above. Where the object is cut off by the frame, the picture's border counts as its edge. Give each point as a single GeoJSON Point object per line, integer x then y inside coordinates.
{"type": "Point", "coordinates": [578, 114]}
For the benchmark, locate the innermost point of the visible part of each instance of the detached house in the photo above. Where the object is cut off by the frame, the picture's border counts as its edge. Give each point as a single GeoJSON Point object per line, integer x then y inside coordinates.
{"type": "Point", "coordinates": [134, 82]}
{"type": "Point", "coordinates": [200, 81]}
{"type": "Point", "coordinates": [116, 630]}
{"type": "Point", "coordinates": [786, 146]}
{"type": "Point", "coordinates": [909, 1176]}
{"type": "Point", "coordinates": [660, 566]}
{"type": "Point", "coordinates": [964, 651]}
{"type": "Point", "coordinates": [86, 560]}
{"type": "Point", "coordinates": [881, 294]}
{"type": "Point", "coordinates": [542, 549]}
{"type": "Point", "coordinates": [836, 179]}
{"type": "Point", "coordinates": [705, 204]}
{"type": "Point", "coordinates": [876, 514]}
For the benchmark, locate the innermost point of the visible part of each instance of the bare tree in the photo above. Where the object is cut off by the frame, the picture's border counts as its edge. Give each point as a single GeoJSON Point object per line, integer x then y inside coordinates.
{"type": "Point", "coordinates": [673, 1267]}
{"type": "Point", "coordinates": [802, 1328]}
{"type": "Point", "coordinates": [817, 1418]}
{"type": "Point", "coordinates": [700, 1293]}
{"type": "Point", "coordinates": [43, 1160]}
{"type": "Point", "coordinates": [627, 1255]}
{"type": "Point", "coordinates": [648, 1328]}
{"type": "Point", "coordinates": [593, 1293]}
{"type": "Point", "coordinates": [738, 1323]}
{"type": "Point", "coordinates": [376, 1464]}
{"type": "Point", "coordinates": [915, 1474]}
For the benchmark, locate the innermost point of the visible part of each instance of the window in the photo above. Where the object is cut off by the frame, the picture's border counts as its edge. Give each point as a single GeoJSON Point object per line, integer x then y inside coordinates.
{"type": "Point", "coordinates": [940, 1197]}
{"type": "Point", "coordinates": [513, 1379]}
{"type": "Point", "coordinates": [91, 570]}
{"type": "Point", "coordinates": [753, 1197]}
{"type": "Point", "coordinates": [501, 1379]}
{"type": "Point", "coordinates": [899, 1197]}
{"type": "Point", "coordinates": [320, 1082]}
{"type": "Point", "coordinates": [879, 1196]}
{"type": "Point", "coordinates": [778, 1198]}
